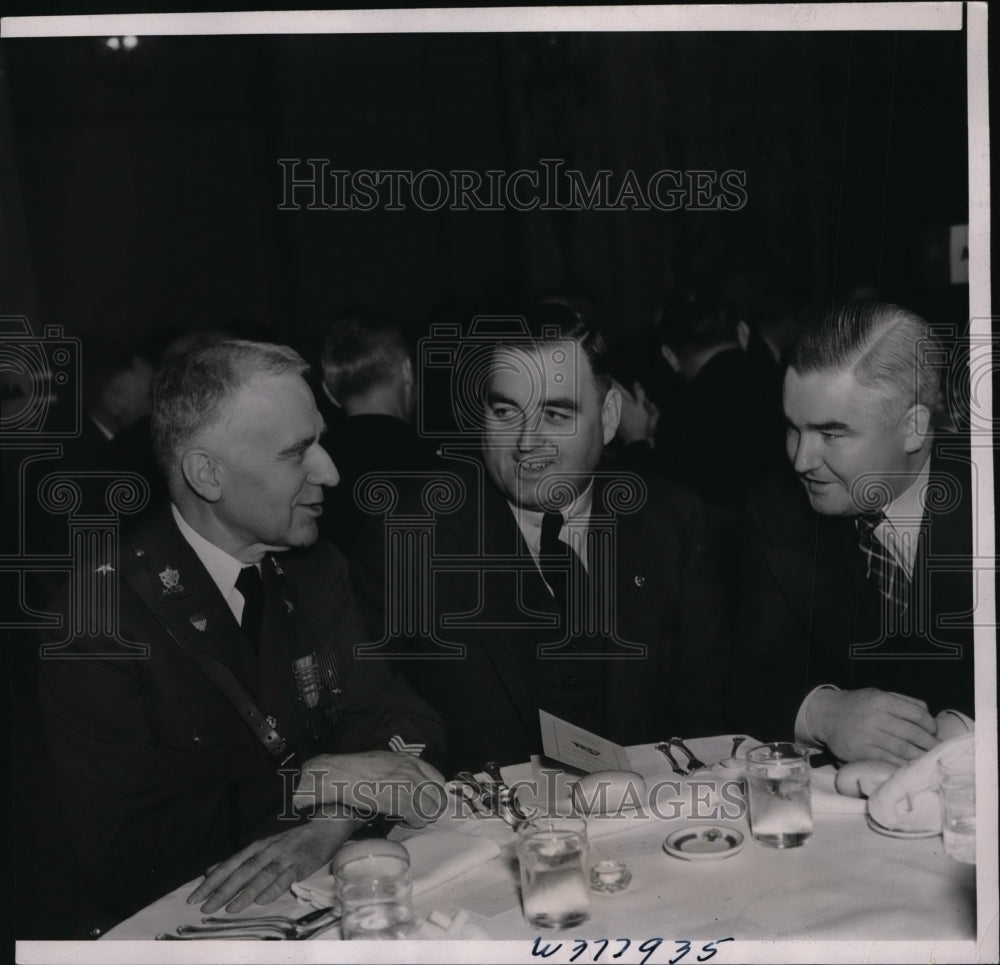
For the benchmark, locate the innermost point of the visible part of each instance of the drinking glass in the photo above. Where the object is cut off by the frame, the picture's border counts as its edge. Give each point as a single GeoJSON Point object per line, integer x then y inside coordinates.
{"type": "Point", "coordinates": [778, 788]}
{"type": "Point", "coordinates": [958, 802]}
{"type": "Point", "coordinates": [375, 889]}
{"type": "Point", "coordinates": [552, 852]}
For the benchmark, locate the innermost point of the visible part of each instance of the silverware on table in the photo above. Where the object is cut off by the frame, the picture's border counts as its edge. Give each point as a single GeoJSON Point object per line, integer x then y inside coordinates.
{"type": "Point", "coordinates": [474, 794]}
{"type": "Point", "coordinates": [666, 750]}
{"type": "Point", "coordinates": [506, 804]}
{"type": "Point", "coordinates": [307, 919]}
{"type": "Point", "coordinates": [229, 936]}
{"type": "Point", "coordinates": [693, 763]}
{"type": "Point", "coordinates": [262, 927]}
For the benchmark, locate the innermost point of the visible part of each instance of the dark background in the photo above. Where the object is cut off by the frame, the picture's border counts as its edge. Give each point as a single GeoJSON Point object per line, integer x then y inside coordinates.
{"type": "Point", "coordinates": [142, 187]}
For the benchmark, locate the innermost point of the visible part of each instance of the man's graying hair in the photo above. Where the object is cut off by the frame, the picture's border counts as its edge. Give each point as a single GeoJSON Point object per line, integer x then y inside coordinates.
{"type": "Point", "coordinates": [885, 347]}
{"type": "Point", "coordinates": [189, 394]}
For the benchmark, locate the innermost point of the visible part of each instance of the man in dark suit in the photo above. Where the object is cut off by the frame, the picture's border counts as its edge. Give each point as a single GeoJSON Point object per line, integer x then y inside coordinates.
{"type": "Point", "coordinates": [178, 735]}
{"type": "Point", "coordinates": [856, 587]}
{"type": "Point", "coordinates": [368, 370]}
{"type": "Point", "coordinates": [546, 580]}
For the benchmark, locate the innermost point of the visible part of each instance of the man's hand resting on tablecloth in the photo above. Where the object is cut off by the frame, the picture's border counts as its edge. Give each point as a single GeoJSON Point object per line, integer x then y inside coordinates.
{"type": "Point", "coordinates": [396, 785]}
{"type": "Point", "coordinates": [871, 725]}
{"type": "Point", "coordinates": [266, 869]}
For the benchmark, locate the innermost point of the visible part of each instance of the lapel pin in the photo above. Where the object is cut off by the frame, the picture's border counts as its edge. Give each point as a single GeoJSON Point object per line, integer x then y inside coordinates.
{"type": "Point", "coordinates": [277, 569]}
{"type": "Point", "coordinates": [199, 622]}
{"type": "Point", "coordinates": [289, 606]}
{"type": "Point", "coordinates": [639, 580]}
{"type": "Point", "coordinates": [104, 569]}
{"type": "Point", "coordinates": [171, 580]}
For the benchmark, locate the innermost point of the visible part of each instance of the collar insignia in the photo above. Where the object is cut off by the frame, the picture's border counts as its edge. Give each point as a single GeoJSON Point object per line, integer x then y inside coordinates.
{"type": "Point", "coordinates": [171, 580]}
{"type": "Point", "coordinates": [104, 569]}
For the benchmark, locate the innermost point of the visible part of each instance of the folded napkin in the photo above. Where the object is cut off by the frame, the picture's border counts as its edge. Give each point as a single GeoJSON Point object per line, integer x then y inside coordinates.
{"type": "Point", "coordinates": [435, 858]}
{"type": "Point", "coordinates": [910, 800]}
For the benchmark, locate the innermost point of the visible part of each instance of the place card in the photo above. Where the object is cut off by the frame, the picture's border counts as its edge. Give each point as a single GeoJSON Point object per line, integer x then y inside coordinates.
{"type": "Point", "coordinates": [579, 748]}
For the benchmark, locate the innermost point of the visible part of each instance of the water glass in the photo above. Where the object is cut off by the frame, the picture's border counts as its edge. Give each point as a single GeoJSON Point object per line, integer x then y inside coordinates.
{"type": "Point", "coordinates": [552, 853]}
{"type": "Point", "coordinates": [958, 802]}
{"type": "Point", "coordinates": [778, 788]}
{"type": "Point", "coordinates": [375, 890]}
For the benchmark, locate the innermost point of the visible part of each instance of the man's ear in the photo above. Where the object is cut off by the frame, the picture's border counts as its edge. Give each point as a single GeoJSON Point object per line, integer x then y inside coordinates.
{"type": "Point", "coordinates": [611, 413]}
{"type": "Point", "coordinates": [202, 473]}
{"type": "Point", "coordinates": [916, 427]}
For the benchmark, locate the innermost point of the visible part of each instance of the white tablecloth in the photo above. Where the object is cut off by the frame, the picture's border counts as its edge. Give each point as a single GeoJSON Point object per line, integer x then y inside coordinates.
{"type": "Point", "coordinates": [846, 882]}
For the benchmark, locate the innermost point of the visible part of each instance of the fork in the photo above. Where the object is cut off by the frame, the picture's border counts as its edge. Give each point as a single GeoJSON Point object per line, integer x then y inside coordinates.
{"type": "Point", "coordinates": [295, 929]}
{"type": "Point", "coordinates": [306, 919]}
{"type": "Point", "coordinates": [693, 763]}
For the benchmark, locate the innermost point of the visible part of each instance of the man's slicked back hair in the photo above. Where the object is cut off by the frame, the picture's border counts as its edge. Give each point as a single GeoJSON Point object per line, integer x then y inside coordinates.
{"type": "Point", "coordinates": [554, 321]}
{"type": "Point", "coordinates": [885, 347]}
{"type": "Point", "coordinates": [190, 393]}
{"type": "Point", "coordinates": [361, 351]}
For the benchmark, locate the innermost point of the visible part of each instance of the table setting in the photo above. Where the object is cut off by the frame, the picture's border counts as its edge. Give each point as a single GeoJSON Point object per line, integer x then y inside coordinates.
{"type": "Point", "coordinates": [664, 846]}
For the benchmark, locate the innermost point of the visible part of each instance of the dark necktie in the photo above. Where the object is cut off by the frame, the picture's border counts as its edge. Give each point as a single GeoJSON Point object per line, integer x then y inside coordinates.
{"type": "Point", "coordinates": [562, 568]}
{"type": "Point", "coordinates": [250, 585]}
{"type": "Point", "coordinates": [880, 565]}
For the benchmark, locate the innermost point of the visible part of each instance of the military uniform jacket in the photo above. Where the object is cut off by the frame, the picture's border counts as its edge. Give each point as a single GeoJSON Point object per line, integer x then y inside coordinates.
{"type": "Point", "coordinates": [158, 773]}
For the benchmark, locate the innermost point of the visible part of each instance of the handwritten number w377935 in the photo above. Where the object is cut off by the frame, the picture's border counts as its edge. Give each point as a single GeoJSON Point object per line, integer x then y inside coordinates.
{"type": "Point", "coordinates": [598, 946]}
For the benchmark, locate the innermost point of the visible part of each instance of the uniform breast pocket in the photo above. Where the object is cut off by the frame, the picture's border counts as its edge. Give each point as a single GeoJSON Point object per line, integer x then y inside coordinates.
{"type": "Point", "coordinates": [196, 725]}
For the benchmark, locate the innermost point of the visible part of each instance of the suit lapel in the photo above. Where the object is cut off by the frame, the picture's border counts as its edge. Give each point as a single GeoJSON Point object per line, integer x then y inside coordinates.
{"type": "Point", "coordinates": [178, 589]}
{"type": "Point", "coordinates": [635, 616]}
{"type": "Point", "coordinates": [486, 527]}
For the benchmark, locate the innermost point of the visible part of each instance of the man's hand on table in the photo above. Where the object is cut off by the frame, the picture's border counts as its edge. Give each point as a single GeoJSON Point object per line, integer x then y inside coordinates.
{"type": "Point", "coordinates": [266, 869]}
{"type": "Point", "coordinates": [872, 725]}
{"type": "Point", "coordinates": [397, 785]}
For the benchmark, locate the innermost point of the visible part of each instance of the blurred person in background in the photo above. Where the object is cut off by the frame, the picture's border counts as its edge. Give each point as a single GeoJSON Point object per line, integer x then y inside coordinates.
{"type": "Point", "coordinates": [368, 372]}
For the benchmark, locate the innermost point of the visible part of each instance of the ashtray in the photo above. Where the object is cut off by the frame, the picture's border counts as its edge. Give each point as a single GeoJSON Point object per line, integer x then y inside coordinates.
{"type": "Point", "coordinates": [704, 842]}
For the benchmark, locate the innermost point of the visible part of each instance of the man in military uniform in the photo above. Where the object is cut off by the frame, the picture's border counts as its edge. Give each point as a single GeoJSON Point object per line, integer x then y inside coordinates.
{"type": "Point", "coordinates": [178, 749]}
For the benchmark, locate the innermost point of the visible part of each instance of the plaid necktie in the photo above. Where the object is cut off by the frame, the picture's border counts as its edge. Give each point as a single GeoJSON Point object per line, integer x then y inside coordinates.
{"type": "Point", "coordinates": [880, 565]}
{"type": "Point", "coordinates": [251, 586]}
{"type": "Point", "coordinates": [559, 562]}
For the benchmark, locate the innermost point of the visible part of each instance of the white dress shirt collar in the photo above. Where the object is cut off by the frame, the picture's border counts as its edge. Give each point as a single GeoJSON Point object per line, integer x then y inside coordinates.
{"type": "Point", "coordinates": [900, 530]}
{"type": "Point", "coordinates": [223, 568]}
{"type": "Point", "coordinates": [576, 519]}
